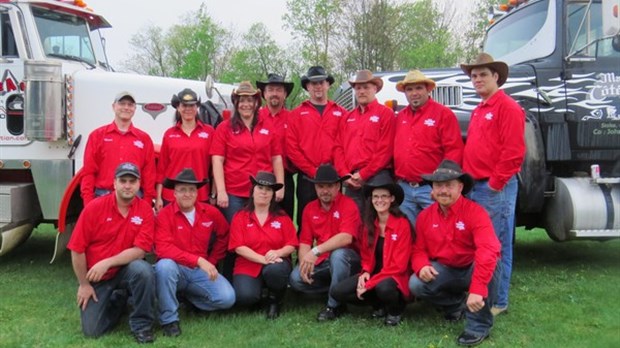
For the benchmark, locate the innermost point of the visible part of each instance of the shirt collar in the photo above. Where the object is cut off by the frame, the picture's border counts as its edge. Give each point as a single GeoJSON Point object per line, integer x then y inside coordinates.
{"type": "Point", "coordinates": [491, 101]}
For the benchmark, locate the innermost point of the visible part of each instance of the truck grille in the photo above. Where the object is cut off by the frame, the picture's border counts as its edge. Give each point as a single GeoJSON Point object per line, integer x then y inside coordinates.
{"type": "Point", "coordinates": [448, 95]}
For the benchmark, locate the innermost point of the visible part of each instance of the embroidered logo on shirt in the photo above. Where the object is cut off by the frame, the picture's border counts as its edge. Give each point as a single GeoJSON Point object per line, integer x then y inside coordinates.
{"type": "Point", "coordinates": [460, 225]}
{"type": "Point", "coordinates": [336, 215]}
{"type": "Point", "coordinates": [108, 140]}
{"type": "Point", "coordinates": [394, 236]}
{"type": "Point", "coordinates": [337, 113]}
{"type": "Point", "coordinates": [179, 227]}
{"type": "Point", "coordinates": [435, 225]}
{"type": "Point", "coordinates": [404, 122]}
{"type": "Point", "coordinates": [429, 122]}
{"type": "Point", "coordinates": [350, 120]}
{"type": "Point", "coordinates": [138, 144]}
{"type": "Point", "coordinates": [108, 219]}
{"type": "Point", "coordinates": [136, 220]}
{"type": "Point", "coordinates": [276, 224]}
{"type": "Point", "coordinates": [489, 116]}
{"type": "Point", "coordinates": [174, 136]}
{"type": "Point", "coordinates": [250, 225]}
{"type": "Point", "coordinates": [207, 223]}
{"type": "Point", "coordinates": [314, 217]}
{"type": "Point", "coordinates": [264, 131]}
{"type": "Point", "coordinates": [303, 113]}
{"type": "Point", "coordinates": [203, 135]}
{"type": "Point", "coordinates": [374, 119]}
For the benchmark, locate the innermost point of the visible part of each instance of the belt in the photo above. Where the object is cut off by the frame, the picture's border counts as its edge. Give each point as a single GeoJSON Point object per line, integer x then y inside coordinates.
{"type": "Point", "coordinates": [413, 184]}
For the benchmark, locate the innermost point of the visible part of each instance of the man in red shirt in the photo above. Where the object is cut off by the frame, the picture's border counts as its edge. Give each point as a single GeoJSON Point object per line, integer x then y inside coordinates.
{"type": "Point", "coordinates": [110, 145]}
{"type": "Point", "coordinates": [275, 91]}
{"type": "Point", "coordinates": [426, 133]}
{"type": "Point", "coordinates": [332, 222]}
{"type": "Point", "coordinates": [311, 133]}
{"type": "Point", "coordinates": [455, 254]}
{"type": "Point", "coordinates": [366, 137]}
{"type": "Point", "coordinates": [185, 265]}
{"type": "Point", "coordinates": [108, 246]}
{"type": "Point", "coordinates": [493, 154]}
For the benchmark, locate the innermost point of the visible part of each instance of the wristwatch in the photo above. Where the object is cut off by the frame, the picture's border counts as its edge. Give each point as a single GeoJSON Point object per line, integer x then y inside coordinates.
{"type": "Point", "coordinates": [212, 196]}
{"type": "Point", "coordinates": [316, 251]}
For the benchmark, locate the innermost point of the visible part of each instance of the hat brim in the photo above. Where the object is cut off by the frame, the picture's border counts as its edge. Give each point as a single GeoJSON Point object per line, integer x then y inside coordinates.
{"type": "Point", "coordinates": [400, 86]}
{"type": "Point", "coordinates": [344, 178]}
{"type": "Point", "coordinates": [466, 179]}
{"type": "Point", "coordinates": [170, 183]}
{"type": "Point", "coordinates": [274, 187]}
{"type": "Point", "coordinates": [127, 172]}
{"type": "Point", "coordinates": [395, 190]}
{"type": "Point", "coordinates": [377, 81]}
{"type": "Point", "coordinates": [500, 67]}
{"type": "Point", "coordinates": [288, 86]}
{"type": "Point", "coordinates": [305, 79]}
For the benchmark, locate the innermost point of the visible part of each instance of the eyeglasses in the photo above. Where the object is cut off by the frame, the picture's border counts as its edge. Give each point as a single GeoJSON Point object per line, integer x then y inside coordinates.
{"type": "Point", "coordinates": [381, 197]}
{"type": "Point", "coordinates": [186, 190]}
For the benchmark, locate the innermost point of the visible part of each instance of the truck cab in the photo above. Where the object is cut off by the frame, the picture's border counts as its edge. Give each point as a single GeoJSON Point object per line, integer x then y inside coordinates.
{"type": "Point", "coordinates": [56, 87]}
{"type": "Point", "coordinates": [564, 59]}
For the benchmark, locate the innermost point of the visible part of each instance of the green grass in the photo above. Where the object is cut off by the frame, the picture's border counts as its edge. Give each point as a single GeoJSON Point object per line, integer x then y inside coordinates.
{"type": "Point", "coordinates": [563, 295]}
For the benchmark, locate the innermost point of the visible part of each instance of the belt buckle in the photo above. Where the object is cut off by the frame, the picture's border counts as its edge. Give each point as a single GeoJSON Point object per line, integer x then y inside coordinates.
{"type": "Point", "coordinates": [414, 184]}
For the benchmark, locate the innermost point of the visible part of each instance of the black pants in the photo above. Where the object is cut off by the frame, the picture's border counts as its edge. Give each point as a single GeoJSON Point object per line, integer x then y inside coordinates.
{"type": "Point", "coordinates": [273, 276]}
{"type": "Point", "coordinates": [385, 294]}
{"type": "Point", "coordinates": [306, 193]}
{"type": "Point", "coordinates": [288, 203]}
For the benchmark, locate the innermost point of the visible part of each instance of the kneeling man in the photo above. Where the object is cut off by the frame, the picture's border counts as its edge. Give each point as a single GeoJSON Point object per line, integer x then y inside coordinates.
{"type": "Point", "coordinates": [182, 235]}
{"type": "Point", "coordinates": [456, 253]}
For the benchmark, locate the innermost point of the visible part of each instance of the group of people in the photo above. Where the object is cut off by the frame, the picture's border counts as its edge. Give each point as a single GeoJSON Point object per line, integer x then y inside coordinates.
{"type": "Point", "coordinates": [385, 214]}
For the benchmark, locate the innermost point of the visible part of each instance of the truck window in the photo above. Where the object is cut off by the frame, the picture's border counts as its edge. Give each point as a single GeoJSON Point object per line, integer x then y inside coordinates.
{"type": "Point", "coordinates": [64, 35]}
{"type": "Point", "coordinates": [8, 48]}
{"type": "Point", "coordinates": [522, 35]}
{"type": "Point", "coordinates": [585, 31]}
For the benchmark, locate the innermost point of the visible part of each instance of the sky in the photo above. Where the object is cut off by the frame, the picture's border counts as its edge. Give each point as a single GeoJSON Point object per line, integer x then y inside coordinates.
{"type": "Point", "coordinates": [127, 17]}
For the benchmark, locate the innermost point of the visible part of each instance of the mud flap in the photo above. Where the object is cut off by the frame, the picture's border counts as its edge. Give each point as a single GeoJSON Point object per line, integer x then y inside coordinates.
{"type": "Point", "coordinates": [62, 239]}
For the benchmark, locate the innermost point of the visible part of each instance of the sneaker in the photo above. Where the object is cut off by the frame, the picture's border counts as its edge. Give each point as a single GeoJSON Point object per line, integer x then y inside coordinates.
{"type": "Point", "coordinates": [392, 320]}
{"type": "Point", "coordinates": [330, 313]}
{"type": "Point", "coordinates": [378, 313]}
{"type": "Point", "coordinates": [498, 310]}
{"type": "Point", "coordinates": [144, 336]}
{"type": "Point", "coordinates": [469, 340]}
{"type": "Point", "coordinates": [171, 330]}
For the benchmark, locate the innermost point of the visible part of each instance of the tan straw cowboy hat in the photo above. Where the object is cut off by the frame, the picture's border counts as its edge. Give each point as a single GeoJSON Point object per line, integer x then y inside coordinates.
{"type": "Point", "coordinates": [245, 88]}
{"type": "Point", "coordinates": [412, 77]}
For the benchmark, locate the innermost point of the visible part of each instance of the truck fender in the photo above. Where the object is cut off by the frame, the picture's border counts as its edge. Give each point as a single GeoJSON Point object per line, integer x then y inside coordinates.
{"type": "Point", "coordinates": [71, 202]}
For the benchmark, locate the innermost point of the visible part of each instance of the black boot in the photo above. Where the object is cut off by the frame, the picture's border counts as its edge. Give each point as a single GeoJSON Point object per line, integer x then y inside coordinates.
{"type": "Point", "coordinates": [274, 302]}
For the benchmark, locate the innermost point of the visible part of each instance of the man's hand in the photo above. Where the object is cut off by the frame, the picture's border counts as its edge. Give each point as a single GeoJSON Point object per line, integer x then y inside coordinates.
{"type": "Point", "coordinates": [84, 293]}
{"type": "Point", "coordinates": [280, 195]}
{"type": "Point", "coordinates": [475, 302]}
{"type": "Point", "coordinates": [222, 199]}
{"type": "Point", "coordinates": [208, 268]}
{"type": "Point", "coordinates": [306, 267]}
{"type": "Point", "coordinates": [428, 273]}
{"type": "Point", "coordinates": [97, 271]}
{"type": "Point", "coordinates": [361, 284]}
{"type": "Point", "coordinates": [159, 204]}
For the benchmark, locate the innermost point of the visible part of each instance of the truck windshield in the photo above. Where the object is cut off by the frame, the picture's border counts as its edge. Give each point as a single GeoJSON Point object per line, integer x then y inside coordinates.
{"type": "Point", "coordinates": [64, 36]}
{"type": "Point", "coordinates": [522, 35]}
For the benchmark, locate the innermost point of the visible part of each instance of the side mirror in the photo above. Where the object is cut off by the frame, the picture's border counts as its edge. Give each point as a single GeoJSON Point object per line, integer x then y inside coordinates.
{"type": "Point", "coordinates": [209, 85]}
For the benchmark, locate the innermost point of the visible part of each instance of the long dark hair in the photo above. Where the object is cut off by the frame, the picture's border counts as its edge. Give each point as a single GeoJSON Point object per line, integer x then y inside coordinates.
{"type": "Point", "coordinates": [235, 121]}
{"type": "Point", "coordinates": [274, 207]}
{"type": "Point", "coordinates": [370, 216]}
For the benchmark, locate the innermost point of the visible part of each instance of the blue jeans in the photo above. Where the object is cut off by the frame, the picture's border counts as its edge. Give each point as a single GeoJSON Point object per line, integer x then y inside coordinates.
{"type": "Point", "coordinates": [194, 283]}
{"type": "Point", "coordinates": [449, 290]}
{"type": "Point", "coordinates": [235, 203]}
{"type": "Point", "coordinates": [340, 265]}
{"type": "Point", "coordinates": [135, 279]}
{"type": "Point", "coordinates": [501, 208]}
{"type": "Point", "coordinates": [416, 200]}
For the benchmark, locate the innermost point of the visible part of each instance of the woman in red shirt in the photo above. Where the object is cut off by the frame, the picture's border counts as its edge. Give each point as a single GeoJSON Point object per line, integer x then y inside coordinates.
{"type": "Point", "coordinates": [263, 237]}
{"type": "Point", "coordinates": [385, 250]}
{"type": "Point", "coordinates": [184, 145]}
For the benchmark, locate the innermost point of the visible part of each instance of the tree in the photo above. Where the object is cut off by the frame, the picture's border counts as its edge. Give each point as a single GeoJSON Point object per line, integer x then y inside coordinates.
{"type": "Point", "coordinates": [151, 52]}
{"type": "Point", "coordinates": [474, 33]}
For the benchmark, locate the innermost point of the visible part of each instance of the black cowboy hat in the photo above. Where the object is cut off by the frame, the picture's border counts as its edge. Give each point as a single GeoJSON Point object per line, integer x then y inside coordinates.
{"type": "Point", "coordinates": [450, 170]}
{"type": "Point", "coordinates": [186, 96]}
{"type": "Point", "coordinates": [316, 73]}
{"type": "Point", "coordinates": [186, 176]}
{"type": "Point", "coordinates": [383, 179]}
{"type": "Point", "coordinates": [326, 174]}
{"type": "Point", "coordinates": [266, 179]}
{"type": "Point", "coordinates": [275, 79]}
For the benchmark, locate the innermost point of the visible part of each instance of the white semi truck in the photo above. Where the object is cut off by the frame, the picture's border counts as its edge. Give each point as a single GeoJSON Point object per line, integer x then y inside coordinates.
{"type": "Point", "coordinates": [56, 87]}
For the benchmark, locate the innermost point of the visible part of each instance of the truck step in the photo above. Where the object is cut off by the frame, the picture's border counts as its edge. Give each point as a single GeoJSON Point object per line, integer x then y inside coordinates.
{"type": "Point", "coordinates": [612, 233]}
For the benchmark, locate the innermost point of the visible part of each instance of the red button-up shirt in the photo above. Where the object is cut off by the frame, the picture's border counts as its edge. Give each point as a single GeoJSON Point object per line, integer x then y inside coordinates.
{"type": "Point", "coordinates": [107, 147]}
{"type": "Point", "coordinates": [396, 254]}
{"type": "Point", "coordinates": [320, 225]}
{"type": "Point", "coordinates": [179, 151]}
{"type": "Point", "coordinates": [102, 232]}
{"type": "Point", "coordinates": [463, 237]}
{"type": "Point", "coordinates": [280, 124]}
{"type": "Point", "coordinates": [423, 139]}
{"type": "Point", "coordinates": [277, 232]}
{"type": "Point", "coordinates": [245, 153]}
{"type": "Point", "coordinates": [183, 243]}
{"type": "Point", "coordinates": [365, 141]}
{"type": "Point", "coordinates": [495, 145]}
{"type": "Point", "coordinates": [311, 137]}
